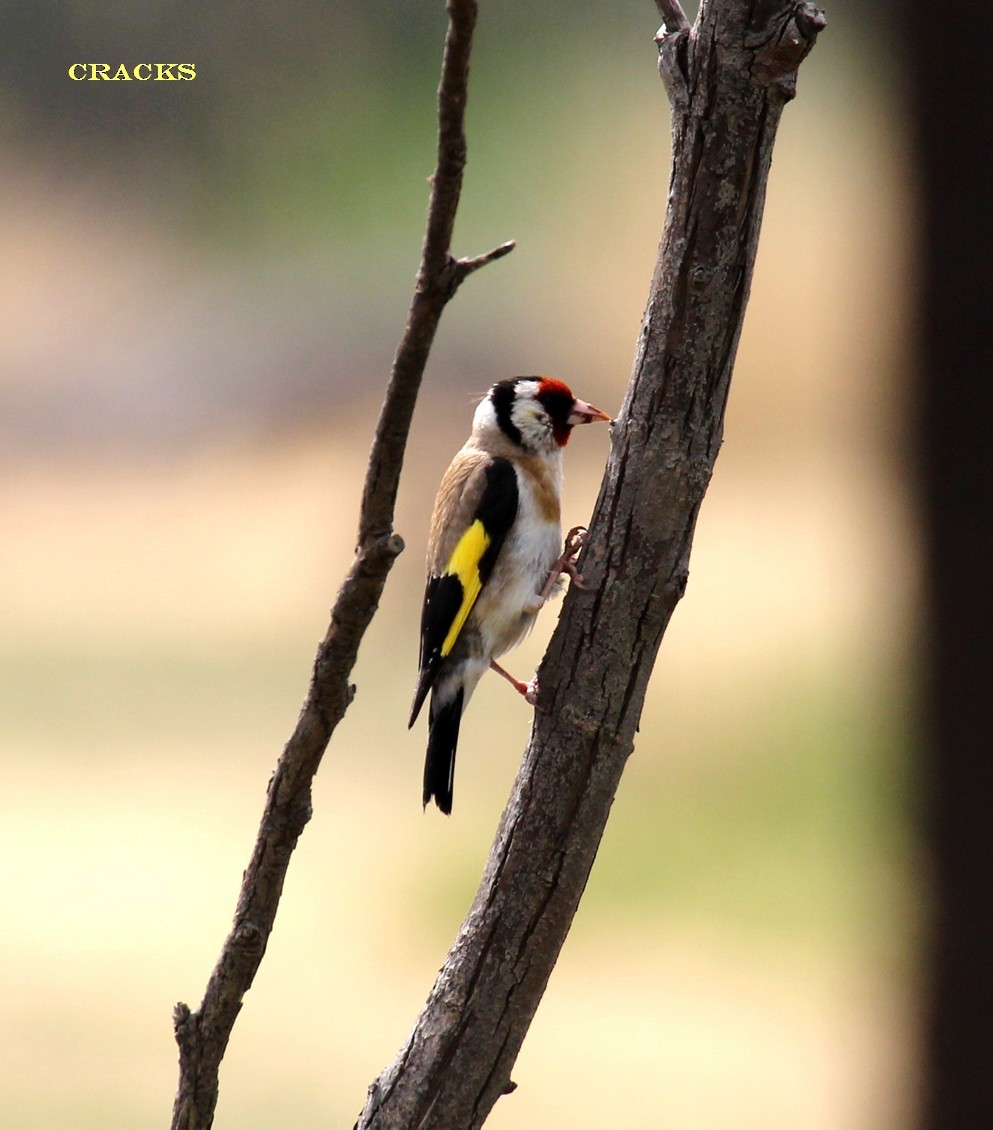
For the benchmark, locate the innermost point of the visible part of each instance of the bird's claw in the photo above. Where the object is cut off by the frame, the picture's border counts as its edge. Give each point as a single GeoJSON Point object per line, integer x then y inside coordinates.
{"type": "Point", "coordinates": [575, 539]}
{"type": "Point", "coordinates": [574, 575]}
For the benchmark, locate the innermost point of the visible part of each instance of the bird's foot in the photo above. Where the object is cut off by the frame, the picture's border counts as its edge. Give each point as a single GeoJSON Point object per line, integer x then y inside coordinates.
{"type": "Point", "coordinates": [575, 539]}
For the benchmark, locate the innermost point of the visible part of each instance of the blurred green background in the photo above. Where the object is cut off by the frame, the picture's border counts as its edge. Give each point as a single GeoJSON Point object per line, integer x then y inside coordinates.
{"type": "Point", "coordinates": [203, 284]}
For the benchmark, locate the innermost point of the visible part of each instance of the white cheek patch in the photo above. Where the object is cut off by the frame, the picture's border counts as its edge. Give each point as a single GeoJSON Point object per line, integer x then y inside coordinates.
{"type": "Point", "coordinates": [532, 421]}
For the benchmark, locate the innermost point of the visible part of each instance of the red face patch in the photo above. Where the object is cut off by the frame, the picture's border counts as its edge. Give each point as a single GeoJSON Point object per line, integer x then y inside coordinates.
{"type": "Point", "coordinates": [557, 399]}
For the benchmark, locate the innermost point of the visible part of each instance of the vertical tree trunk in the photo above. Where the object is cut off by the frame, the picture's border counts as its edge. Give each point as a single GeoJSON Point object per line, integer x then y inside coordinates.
{"type": "Point", "coordinates": [728, 79]}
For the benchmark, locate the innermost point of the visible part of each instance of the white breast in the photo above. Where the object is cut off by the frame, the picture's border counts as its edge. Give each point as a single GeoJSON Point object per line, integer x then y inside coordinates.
{"type": "Point", "coordinates": [505, 611]}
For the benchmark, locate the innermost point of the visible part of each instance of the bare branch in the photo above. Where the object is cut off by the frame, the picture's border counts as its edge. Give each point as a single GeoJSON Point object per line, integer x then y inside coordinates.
{"type": "Point", "coordinates": [672, 15]}
{"type": "Point", "coordinates": [728, 83]}
{"type": "Point", "coordinates": [467, 266]}
{"type": "Point", "coordinates": [437, 280]}
{"type": "Point", "coordinates": [203, 1035]}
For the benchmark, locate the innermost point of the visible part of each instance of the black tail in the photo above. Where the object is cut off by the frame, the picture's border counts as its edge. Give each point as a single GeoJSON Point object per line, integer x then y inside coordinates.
{"type": "Point", "coordinates": [439, 765]}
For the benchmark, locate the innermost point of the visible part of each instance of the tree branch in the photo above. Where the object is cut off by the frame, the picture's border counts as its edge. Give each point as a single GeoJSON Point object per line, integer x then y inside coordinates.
{"type": "Point", "coordinates": [672, 16]}
{"type": "Point", "coordinates": [439, 277]}
{"type": "Point", "coordinates": [203, 1035]}
{"type": "Point", "coordinates": [728, 79]}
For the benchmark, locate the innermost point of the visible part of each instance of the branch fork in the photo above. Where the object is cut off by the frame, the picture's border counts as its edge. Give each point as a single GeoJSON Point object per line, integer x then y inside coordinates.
{"type": "Point", "coordinates": [458, 270]}
{"type": "Point", "coordinates": [782, 41]}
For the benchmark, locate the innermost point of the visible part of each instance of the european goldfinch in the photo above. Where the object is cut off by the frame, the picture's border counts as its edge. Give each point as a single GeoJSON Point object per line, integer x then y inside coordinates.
{"type": "Point", "coordinates": [493, 553]}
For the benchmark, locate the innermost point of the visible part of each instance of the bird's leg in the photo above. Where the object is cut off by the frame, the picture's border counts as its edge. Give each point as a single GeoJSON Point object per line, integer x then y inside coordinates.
{"type": "Point", "coordinates": [528, 690]}
{"type": "Point", "coordinates": [566, 564]}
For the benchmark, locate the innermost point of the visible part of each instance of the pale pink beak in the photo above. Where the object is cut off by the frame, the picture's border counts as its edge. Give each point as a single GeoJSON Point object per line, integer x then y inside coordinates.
{"type": "Point", "coordinates": [583, 413]}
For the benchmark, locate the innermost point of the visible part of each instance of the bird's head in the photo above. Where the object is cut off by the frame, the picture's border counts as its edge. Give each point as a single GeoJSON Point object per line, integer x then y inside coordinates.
{"type": "Point", "coordinates": [535, 413]}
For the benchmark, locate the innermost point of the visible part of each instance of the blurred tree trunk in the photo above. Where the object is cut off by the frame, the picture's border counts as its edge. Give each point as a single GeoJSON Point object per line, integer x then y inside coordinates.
{"type": "Point", "coordinates": [953, 114]}
{"type": "Point", "coordinates": [728, 79]}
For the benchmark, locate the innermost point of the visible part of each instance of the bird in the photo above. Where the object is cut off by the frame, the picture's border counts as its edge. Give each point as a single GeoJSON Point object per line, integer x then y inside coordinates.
{"type": "Point", "coordinates": [493, 554]}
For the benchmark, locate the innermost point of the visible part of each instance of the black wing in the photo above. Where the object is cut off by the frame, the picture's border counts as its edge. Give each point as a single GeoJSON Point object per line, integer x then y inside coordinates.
{"type": "Point", "coordinates": [449, 597]}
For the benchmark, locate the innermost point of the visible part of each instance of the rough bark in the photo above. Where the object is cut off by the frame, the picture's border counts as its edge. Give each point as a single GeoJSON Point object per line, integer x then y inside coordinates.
{"type": "Point", "coordinates": [728, 79]}
{"type": "Point", "coordinates": [203, 1035]}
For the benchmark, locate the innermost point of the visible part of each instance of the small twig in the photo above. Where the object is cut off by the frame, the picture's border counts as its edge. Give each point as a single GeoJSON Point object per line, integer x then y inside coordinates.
{"type": "Point", "coordinates": [467, 266]}
{"type": "Point", "coordinates": [436, 280]}
{"type": "Point", "coordinates": [203, 1035]}
{"type": "Point", "coordinates": [672, 16]}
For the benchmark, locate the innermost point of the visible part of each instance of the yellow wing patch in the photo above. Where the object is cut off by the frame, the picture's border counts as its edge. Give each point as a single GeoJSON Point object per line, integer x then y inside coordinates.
{"type": "Point", "coordinates": [464, 564]}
